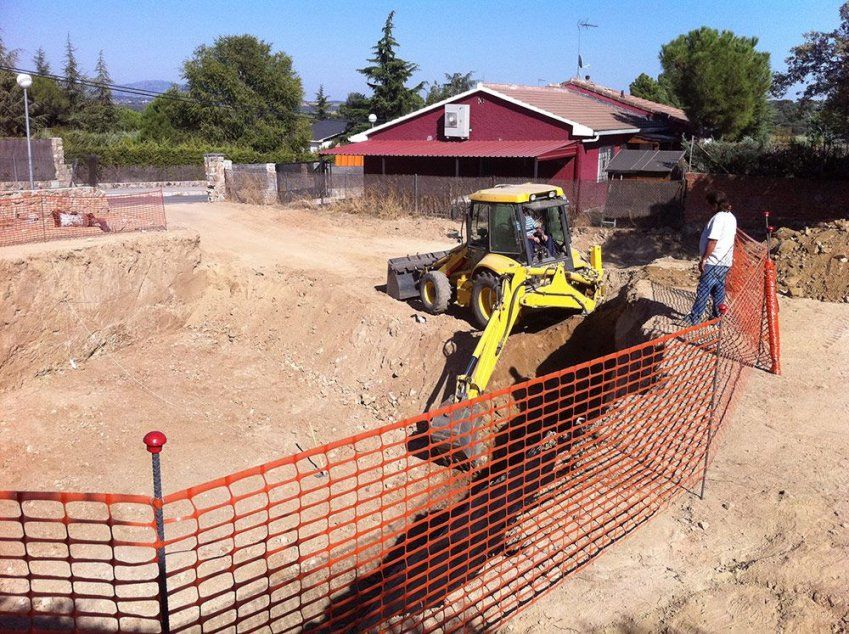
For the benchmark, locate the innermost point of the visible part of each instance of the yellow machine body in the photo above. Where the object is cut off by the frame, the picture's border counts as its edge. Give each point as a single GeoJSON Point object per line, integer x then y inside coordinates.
{"type": "Point", "coordinates": [516, 280]}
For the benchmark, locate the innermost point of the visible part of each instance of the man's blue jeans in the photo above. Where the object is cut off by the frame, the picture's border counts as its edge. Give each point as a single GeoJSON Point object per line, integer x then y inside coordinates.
{"type": "Point", "coordinates": [711, 284]}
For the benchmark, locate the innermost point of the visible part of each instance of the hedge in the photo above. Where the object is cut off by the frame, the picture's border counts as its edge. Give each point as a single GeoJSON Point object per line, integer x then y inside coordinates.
{"type": "Point", "coordinates": [128, 151]}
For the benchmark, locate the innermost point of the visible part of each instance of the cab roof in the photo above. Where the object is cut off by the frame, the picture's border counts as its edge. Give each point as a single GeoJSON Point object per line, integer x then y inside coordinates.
{"type": "Point", "coordinates": [516, 193]}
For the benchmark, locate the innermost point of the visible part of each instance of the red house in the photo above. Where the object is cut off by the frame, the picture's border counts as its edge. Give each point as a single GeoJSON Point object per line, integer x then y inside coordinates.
{"type": "Point", "coordinates": [564, 132]}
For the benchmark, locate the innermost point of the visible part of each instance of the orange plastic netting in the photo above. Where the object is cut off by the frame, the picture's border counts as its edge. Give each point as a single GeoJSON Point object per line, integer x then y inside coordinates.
{"type": "Point", "coordinates": [42, 215]}
{"type": "Point", "coordinates": [390, 530]}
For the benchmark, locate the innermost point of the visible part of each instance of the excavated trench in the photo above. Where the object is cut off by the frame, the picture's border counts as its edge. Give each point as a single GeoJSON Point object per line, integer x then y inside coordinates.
{"type": "Point", "coordinates": [118, 336]}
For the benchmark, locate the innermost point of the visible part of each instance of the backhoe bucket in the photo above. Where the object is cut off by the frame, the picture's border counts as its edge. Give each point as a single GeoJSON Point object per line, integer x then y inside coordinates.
{"type": "Point", "coordinates": [403, 274]}
{"type": "Point", "coordinates": [460, 438]}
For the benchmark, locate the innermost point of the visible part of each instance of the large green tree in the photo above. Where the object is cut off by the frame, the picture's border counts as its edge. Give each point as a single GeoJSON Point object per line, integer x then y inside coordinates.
{"type": "Point", "coordinates": [822, 63]}
{"type": "Point", "coordinates": [454, 84]}
{"type": "Point", "coordinates": [355, 110]}
{"type": "Point", "coordinates": [49, 104]}
{"type": "Point", "coordinates": [657, 90]}
{"type": "Point", "coordinates": [169, 118]}
{"type": "Point", "coordinates": [242, 93]}
{"type": "Point", "coordinates": [11, 96]}
{"type": "Point", "coordinates": [388, 75]}
{"type": "Point", "coordinates": [720, 80]}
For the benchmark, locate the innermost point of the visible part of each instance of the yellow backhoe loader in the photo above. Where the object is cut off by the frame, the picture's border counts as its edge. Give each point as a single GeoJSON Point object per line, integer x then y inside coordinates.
{"type": "Point", "coordinates": [517, 255]}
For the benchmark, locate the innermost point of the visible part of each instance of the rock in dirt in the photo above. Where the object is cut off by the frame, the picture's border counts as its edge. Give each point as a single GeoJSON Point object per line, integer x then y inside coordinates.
{"type": "Point", "coordinates": [813, 262]}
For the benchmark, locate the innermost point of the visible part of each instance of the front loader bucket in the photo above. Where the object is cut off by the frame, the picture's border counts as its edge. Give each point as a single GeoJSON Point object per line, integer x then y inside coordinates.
{"type": "Point", "coordinates": [403, 274]}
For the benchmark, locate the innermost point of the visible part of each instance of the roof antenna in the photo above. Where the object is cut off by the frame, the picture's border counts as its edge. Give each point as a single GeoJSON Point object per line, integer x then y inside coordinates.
{"type": "Point", "coordinates": [583, 25]}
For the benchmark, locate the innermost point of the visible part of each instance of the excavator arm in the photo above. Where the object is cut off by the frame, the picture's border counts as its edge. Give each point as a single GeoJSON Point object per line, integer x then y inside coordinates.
{"type": "Point", "coordinates": [456, 434]}
{"type": "Point", "coordinates": [473, 381]}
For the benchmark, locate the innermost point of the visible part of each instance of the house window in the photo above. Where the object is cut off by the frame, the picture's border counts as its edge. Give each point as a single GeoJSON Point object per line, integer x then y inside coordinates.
{"type": "Point", "coordinates": [604, 156]}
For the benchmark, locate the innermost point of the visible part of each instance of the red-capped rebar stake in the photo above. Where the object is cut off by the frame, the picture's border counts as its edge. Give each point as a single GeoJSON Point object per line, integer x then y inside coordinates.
{"type": "Point", "coordinates": [155, 440]}
{"type": "Point", "coordinates": [722, 309]}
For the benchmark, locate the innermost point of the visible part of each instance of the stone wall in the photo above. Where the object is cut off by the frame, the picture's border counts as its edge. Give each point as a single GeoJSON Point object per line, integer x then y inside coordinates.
{"type": "Point", "coordinates": [216, 184]}
{"type": "Point", "coordinates": [63, 170]}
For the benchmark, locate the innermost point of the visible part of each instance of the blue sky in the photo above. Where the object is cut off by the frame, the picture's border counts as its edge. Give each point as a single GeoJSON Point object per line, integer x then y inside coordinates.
{"type": "Point", "coordinates": [529, 42]}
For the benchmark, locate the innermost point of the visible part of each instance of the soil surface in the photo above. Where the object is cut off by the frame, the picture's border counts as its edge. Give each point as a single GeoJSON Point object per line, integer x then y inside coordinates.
{"type": "Point", "coordinates": [245, 333]}
{"type": "Point", "coordinates": [767, 550]}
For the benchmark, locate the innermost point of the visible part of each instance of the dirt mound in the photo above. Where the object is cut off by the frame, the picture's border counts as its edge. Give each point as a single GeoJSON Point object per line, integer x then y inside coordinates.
{"type": "Point", "coordinates": [61, 307]}
{"type": "Point", "coordinates": [814, 262]}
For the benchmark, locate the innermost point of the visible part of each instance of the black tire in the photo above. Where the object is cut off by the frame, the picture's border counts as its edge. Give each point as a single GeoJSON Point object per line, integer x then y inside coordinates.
{"type": "Point", "coordinates": [486, 289]}
{"type": "Point", "coordinates": [435, 292]}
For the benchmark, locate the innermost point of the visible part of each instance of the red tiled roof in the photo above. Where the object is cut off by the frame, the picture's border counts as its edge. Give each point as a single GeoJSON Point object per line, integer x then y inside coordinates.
{"type": "Point", "coordinates": [471, 148]}
{"type": "Point", "coordinates": [631, 100]}
{"type": "Point", "coordinates": [574, 106]}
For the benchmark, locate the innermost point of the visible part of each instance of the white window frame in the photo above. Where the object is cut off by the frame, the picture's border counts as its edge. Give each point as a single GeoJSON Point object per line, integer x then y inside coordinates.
{"type": "Point", "coordinates": [605, 155]}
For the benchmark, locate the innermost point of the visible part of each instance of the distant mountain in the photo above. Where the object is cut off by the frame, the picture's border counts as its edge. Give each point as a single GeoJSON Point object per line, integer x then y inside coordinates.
{"type": "Point", "coordinates": [138, 102]}
{"type": "Point", "coordinates": [308, 107]}
{"type": "Point", "coordinates": [155, 85]}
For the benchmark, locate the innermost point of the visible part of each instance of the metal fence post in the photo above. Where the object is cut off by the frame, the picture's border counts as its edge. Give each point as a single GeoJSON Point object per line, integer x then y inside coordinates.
{"type": "Point", "coordinates": [713, 399]}
{"type": "Point", "coordinates": [155, 440]}
{"type": "Point", "coordinates": [43, 219]}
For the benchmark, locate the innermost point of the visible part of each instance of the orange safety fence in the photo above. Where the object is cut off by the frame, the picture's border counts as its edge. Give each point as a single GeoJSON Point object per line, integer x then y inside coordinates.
{"type": "Point", "coordinates": [394, 529]}
{"type": "Point", "coordinates": [42, 215]}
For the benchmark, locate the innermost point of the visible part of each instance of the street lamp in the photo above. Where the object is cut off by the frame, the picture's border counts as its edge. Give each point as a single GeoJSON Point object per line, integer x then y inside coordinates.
{"type": "Point", "coordinates": [372, 118]}
{"type": "Point", "coordinates": [25, 81]}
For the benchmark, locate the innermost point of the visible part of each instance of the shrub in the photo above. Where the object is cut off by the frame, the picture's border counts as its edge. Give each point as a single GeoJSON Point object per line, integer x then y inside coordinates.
{"type": "Point", "coordinates": [795, 159]}
{"type": "Point", "coordinates": [128, 149]}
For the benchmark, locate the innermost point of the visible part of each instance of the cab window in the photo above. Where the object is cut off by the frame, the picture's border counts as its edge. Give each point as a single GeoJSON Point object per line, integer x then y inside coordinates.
{"type": "Point", "coordinates": [554, 224]}
{"type": "Point", "coordinates": [479, 229]}
{"type": "Point", "coordinates": [503, 238]}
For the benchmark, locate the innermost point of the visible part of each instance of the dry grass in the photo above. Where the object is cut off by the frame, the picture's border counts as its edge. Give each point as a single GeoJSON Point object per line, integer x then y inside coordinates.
{"type": "Point", "coordinates": [389, 206]}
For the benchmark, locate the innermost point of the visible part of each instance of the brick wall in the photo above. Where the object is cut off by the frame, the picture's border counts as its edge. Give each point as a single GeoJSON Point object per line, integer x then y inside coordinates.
{"type": "Point", "coordinates": [791, 201]}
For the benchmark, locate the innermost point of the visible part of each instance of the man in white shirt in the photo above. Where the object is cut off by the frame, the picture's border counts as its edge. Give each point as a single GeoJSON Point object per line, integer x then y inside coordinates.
{"type": "Point", "coordinates": [716, 247]}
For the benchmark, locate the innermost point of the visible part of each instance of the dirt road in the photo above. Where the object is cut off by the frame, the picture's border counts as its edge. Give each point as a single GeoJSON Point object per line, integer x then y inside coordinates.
{"type": "Point", "coordinates": [270, 333]}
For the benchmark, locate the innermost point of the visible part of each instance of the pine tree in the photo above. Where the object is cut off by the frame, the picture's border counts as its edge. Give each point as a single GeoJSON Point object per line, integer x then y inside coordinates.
{"type": "Point", "coordinates": [388, 76]}
{"type": "Point", "coordinates": [103, 93]}
{"type": "Point", "coordinates": [100, 114]}
{"type": "Point", "coordinates": [721, 81]}
{"type": "Point", "coordinates": [11, 98]}
{"type": "Point", "coordinates": [322, 110]}
{"type": "Point", "coordinates": [49, 103]}
{"type": "Point", "coordinates": [42, 67]}
{"type": "Point", "coordinates": [74, 90]}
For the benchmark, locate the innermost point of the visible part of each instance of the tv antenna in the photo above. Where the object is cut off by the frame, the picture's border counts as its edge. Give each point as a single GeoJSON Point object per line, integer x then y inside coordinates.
{"type": "Point", "coordinates": [583, 25]}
